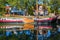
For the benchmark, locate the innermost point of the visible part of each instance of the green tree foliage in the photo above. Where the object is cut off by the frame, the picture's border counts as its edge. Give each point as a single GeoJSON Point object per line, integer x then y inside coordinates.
{"type": "Point", "coordinates": [19, 4]}
{"type": "Point", "coordinates": [55, 4]}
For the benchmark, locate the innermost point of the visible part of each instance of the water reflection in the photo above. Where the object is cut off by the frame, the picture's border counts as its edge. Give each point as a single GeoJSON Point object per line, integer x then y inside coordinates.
{"type": "Point", "coordinates": [23, 31]}
{"type": "Point", "coordinates": [28, 26]}
{"type": "Point", "coordinates": [19, 30]}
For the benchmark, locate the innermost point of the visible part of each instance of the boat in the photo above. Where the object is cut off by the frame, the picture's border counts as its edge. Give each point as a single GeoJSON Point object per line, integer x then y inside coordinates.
{"type": "Point", "coordinates": [44, 23]}
{"type": "Point", "coordinates": [44, 19]}
{"type": "Point", "coordinates": [9, 20]}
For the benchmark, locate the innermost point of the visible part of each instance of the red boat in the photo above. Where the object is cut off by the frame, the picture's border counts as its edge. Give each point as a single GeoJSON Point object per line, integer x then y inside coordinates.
{"type": "Point", "coordinates": [44, 19]}
{"type": "Point", "coordinates": [6, 20]}
{"type": "Point", "coordinates": [44, 23]}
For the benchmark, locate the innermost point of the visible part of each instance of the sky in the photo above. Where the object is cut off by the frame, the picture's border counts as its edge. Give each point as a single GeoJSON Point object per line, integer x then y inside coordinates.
{"type": "Point", "coordinates": [41, 1]}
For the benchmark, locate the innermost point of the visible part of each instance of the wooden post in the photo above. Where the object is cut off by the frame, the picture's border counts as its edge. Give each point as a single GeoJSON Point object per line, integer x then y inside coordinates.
{"type": "Point", "coordinates": [36, 16]}
{"type": "Point", "coordinates": [13, 14]}
{"type": "Point", "coordinates": [36, 6]}
{"type": "Point", "coordinates": [37, 35]}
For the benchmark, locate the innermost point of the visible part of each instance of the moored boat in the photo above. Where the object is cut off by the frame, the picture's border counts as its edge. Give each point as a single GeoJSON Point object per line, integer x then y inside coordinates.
{"type": "Point", "coordinates": [7, 20]}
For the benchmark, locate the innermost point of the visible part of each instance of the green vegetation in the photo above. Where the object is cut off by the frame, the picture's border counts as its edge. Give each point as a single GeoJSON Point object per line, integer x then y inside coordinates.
{"type": "Point", "coordinates": [53, 5]}
{"type": "Point", "coordinates": [23, 4]}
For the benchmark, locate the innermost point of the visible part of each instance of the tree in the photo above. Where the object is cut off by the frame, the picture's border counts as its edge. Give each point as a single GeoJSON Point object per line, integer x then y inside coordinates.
{"type": "Point", "coordinates": [23, 4]}
{"type": "Point", "coordinates": [55, 4]}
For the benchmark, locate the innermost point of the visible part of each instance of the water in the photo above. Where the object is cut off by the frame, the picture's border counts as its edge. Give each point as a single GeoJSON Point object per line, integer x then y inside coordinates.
{"type": "Point", "coordinates": [15, 32]}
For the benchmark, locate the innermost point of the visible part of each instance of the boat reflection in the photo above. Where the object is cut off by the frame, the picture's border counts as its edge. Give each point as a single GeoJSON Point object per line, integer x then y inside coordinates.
{"type": "Point", "coordinates": [17, 30]}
